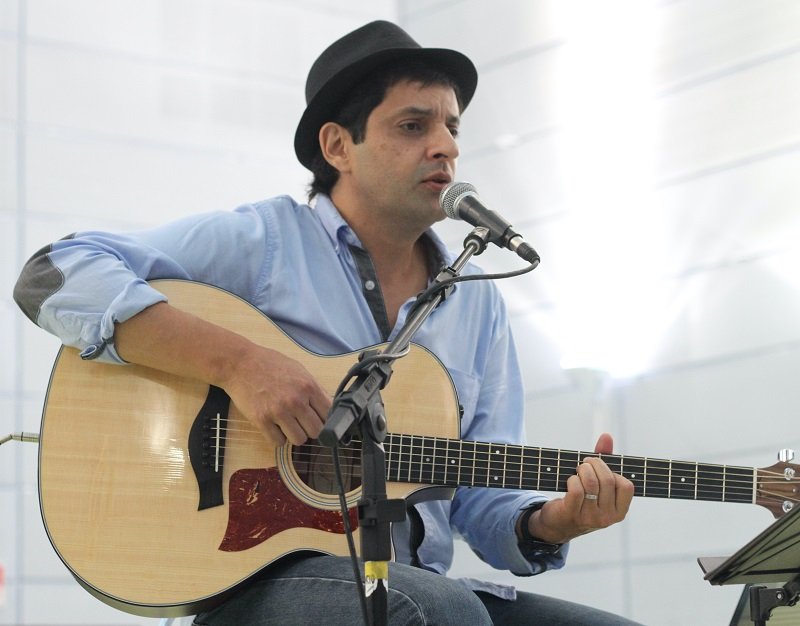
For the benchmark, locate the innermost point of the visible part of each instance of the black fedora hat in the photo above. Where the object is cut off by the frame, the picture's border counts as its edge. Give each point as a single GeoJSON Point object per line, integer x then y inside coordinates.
{"type": "Point", "coordinates": [353, 57]}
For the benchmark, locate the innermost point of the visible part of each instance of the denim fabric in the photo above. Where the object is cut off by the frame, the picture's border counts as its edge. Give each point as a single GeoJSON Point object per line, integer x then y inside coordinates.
{"type": "Point", "coordinates": [320, 590]}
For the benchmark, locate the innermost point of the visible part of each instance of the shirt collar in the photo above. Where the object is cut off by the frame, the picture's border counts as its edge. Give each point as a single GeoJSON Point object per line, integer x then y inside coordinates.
{"type": "Point", "coordinates": [339, 230]}
{"type": "Point", "coordinates": [334, 224]}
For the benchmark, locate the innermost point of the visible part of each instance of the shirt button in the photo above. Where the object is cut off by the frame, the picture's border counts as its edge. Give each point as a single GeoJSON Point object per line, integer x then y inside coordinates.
{"type": "Point", "coordinates": [369, 285]}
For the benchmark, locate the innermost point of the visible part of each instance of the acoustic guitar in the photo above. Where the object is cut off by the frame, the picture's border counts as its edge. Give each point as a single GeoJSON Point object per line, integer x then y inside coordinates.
{"type": "Point", "coordinates": [162, 499]}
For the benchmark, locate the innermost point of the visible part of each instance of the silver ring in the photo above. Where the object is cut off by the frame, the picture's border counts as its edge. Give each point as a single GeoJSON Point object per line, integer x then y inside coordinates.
{"type": "Point", "coordinates": [590, 496]}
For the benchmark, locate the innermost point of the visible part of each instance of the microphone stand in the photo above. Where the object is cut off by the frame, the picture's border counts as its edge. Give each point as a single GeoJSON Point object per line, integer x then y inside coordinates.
{"type": "Point", "coordinates": [359, 408]}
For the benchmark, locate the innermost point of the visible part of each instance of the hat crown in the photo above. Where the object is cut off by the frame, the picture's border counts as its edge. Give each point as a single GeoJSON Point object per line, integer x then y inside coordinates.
{"type": "Point", "coordinates": [360, 44]}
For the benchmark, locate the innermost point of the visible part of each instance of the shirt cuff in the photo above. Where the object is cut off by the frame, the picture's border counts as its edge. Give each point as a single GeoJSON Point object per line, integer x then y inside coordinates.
{"type": "Point", "coordinates": [135, 298]}
{"type": "Point", "coordinates": [526, 560]}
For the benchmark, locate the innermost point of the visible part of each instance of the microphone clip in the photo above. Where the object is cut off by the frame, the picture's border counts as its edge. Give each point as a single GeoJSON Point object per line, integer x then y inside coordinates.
{"type": "Point", "coordinates": [477, 239]}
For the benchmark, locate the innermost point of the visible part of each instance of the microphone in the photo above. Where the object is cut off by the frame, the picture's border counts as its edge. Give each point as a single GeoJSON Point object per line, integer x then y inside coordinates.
{"type": "Point", "coordinates": [460, 202]}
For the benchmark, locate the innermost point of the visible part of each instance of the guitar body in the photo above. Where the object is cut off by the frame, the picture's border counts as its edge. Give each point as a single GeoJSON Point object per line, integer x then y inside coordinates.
{"type": "Point", "coordinates": [120, 498]}
{"type": "Point", "coordinates": [162, 499]}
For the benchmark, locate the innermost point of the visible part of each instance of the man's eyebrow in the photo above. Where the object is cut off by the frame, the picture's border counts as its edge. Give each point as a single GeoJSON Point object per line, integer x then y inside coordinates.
{"type": "Point", "coordinates": [427, 112]}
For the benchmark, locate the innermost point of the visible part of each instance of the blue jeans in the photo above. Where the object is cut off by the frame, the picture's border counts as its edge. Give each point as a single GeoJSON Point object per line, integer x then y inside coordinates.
{"type": "Point", "coordinates": [320, 590]}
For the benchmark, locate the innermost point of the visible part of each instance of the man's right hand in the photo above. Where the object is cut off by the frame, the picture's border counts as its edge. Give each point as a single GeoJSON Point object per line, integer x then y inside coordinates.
{"type": "Point", "coordinates": [278, 395]}
{"type": "Point", "coordinates": [273, 391]}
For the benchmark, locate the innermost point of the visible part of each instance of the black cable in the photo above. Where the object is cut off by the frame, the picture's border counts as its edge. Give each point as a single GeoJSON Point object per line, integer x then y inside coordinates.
{"type": "Point", "coordinates": [348, 531]}
{"type": "Point", "coordinates": [434, 289]}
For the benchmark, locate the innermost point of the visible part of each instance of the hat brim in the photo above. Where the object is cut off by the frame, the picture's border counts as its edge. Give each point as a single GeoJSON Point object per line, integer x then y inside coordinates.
{"type": "Point", "coordinates": [325, 102]}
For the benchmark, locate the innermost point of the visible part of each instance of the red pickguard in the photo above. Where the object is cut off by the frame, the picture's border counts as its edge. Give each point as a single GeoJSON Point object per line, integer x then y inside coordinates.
{"type": "Point", "coordinates": [261, 506]}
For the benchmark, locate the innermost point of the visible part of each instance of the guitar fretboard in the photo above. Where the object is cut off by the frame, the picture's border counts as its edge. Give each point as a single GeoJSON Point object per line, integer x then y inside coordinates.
{"type": "Point", "coordinates": [453, 462]}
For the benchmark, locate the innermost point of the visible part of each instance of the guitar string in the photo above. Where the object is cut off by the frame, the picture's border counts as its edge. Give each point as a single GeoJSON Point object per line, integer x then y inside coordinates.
{"type": "Point", "coordinates": [726, 482]}
{"type": "Point", "coordinates": [650, 471]}
{"type": "Point", "coordinates": [719, 492]}
{"type": "Point", "coordinates": [527, 474]}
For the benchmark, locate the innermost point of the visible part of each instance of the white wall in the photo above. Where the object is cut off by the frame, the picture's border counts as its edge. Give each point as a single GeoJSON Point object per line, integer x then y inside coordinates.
{"type": "Point", "coordinates": [646, 149]}
{"type": "Point", "coordinates": [649, 151]}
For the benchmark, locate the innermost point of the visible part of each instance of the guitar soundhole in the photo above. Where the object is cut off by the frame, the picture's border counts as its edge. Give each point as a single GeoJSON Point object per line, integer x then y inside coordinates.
{"type": "Point", "coordinates": [313, 463]}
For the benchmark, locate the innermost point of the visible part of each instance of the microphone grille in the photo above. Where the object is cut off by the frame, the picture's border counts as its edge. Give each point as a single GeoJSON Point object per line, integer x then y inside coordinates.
{"type": "Point", "coordinates": [451, 195]}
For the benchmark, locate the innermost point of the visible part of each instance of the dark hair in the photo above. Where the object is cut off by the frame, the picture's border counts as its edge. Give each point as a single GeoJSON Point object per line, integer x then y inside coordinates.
{"type": "Point", "coordinates": [356, 107]}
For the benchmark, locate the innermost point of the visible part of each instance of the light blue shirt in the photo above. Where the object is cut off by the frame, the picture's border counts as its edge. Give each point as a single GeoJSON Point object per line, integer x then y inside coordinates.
{"type": "Point", "coordinates": [295, 264]}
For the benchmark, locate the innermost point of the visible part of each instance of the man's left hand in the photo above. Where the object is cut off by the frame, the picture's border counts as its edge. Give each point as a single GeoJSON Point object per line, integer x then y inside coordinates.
{"type": "Point", "coordinates": [596, 498]}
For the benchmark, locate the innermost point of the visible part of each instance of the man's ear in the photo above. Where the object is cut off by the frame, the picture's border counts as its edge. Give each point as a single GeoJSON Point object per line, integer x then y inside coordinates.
{"type": "Point", "coordinates": [335, 142]}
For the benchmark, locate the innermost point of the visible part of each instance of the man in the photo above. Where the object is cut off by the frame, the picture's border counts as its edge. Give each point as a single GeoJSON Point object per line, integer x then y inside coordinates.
{"type": "Point", "coordinates": [379, 134]}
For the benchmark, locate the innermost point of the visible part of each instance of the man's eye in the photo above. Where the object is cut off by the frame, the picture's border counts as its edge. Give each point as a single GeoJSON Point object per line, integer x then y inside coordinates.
{"type": "Point", "coordinates": [411, 126]}
{"type": "Point", "coordinates": [454, 132]}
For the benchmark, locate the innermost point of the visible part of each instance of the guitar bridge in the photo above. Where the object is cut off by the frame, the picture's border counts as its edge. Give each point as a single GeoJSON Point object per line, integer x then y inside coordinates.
{"type": "Point", "coordinates": [207, 447]}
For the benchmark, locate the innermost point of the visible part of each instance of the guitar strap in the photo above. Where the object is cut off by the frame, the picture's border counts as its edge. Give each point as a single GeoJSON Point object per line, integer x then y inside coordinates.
{"type": "Point", "coordinates": [416, 535]}
{"type": "Point", "coordinates": [372, 288]}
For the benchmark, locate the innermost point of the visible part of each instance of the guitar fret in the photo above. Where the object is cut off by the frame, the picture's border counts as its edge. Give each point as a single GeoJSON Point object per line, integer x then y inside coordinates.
{"type": "Point", "coordinates": [390, 456]}
{"type": "Point", "coordinates": [426, 452]}
{"type": "Point", "coordinates": [614, 462]}
{"type": "Point", "coordinates": [453, 462]}
{"type": "Point", "coordinates": [548, 460]}
{"type": "Point", "coordinates": [497, 478]}
{"type": "Point", "coordinates": [458, 467]}
{"type": "Point", "coordinates": [420, 455]}
{"type": "Point", "coordinates": [657, 478]}
{"type": "Point", "coordinates": [481, 464]}
{"type": "Point", "coordinates": [472, 460]}
{"type": "Point", "coordinates": [505, 465]}
{"type": "Point", "coordinates": [644, 481]}
{"type": "Point", "coordinates": [682, 480]}
{"type": "Point", "coordinates": [447, 462]}
{"type": "Point", "coordinates": [395, 459]}
{"type": "Point", "coordinates": [669, 481]}
{"type": "Point", "coordinates": [558, 468]}
{"type": "Point", "coordinates": [411, 456]}
{"type": "Point", "coordinates": [440, 465]}
{"type": "Point", "coordinates": [400, 457]}
{"type": "Point", "coordinates": [529, 468]}
{"type": "Point", "coordinates": [568, 465]}
{"type": "Point", "coordinates": [424, 460]}
{"type": "Point", "coordinates": [741, 486]}
{"type": "Point", "coordinates": [711, 482]}
{"type": "Point", "coordinates": [724, 481]}
{"type": "Point", "coordinates": [433, 463]}
{"type": "Point", "coordinates": [539, 471]}
{"type": "Point", "coordinates": [633, 468]}
{"type": "Point", "coordinates": [445, 479]}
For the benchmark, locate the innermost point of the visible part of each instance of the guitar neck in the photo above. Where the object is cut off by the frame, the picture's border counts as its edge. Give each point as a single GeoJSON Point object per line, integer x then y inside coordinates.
{"type": "Point", "coordinates": [453, 462]}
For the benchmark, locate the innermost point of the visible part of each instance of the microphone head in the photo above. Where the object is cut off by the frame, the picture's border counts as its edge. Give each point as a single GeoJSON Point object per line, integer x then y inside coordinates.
{"type": "Point", "coordinates": [451, 195]}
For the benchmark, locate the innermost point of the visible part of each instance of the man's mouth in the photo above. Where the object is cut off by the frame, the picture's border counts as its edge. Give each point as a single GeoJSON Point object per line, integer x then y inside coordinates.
{"type": "Point", "coordinates": [437, 181]}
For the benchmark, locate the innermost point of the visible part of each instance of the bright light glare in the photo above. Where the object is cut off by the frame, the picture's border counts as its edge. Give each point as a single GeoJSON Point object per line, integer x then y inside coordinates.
{"type": "Point", "coordinates": [608, 307]}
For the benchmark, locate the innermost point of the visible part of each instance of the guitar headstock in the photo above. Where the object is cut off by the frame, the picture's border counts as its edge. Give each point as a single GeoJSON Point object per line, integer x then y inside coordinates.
{"type": "Point", "coordinates": [778, 487]}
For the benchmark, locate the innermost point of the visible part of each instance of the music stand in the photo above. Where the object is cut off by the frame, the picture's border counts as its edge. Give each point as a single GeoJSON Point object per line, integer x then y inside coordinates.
{"type": "Point", "coordinates": [771, 557]}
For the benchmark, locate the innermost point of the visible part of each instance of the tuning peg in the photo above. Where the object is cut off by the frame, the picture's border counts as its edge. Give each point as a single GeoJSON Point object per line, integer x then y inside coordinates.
{"type": "Point", "coordinates": [785, 455]}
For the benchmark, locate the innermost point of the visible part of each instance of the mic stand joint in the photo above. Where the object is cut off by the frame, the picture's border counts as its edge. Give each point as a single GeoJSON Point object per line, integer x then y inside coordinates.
{"type": "Point", "coordinates": [764, 599]}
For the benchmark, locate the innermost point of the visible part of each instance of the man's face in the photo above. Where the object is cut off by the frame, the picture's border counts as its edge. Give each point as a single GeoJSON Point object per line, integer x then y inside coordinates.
{"type": "Point", "coordinates": [408, 154]}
